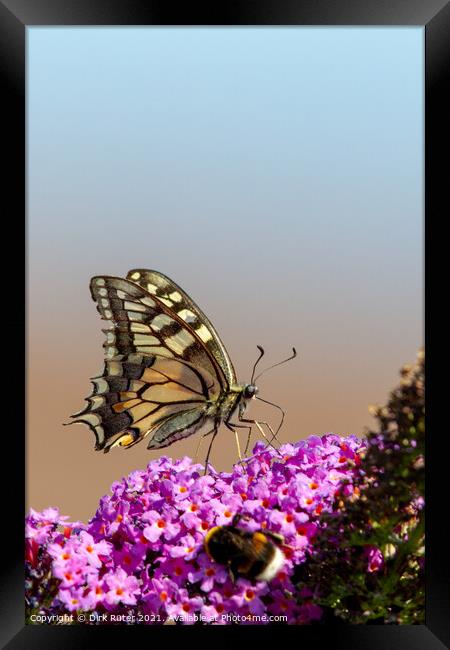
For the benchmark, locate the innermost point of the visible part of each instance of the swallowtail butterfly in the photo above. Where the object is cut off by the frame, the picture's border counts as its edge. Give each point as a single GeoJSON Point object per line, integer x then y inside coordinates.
{"type": "Point", "coordinates": [167, 374]}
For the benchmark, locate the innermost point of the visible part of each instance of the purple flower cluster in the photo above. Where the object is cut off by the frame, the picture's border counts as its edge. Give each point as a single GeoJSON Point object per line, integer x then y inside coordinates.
{"type": "Point", "coordinates": [143, 551]}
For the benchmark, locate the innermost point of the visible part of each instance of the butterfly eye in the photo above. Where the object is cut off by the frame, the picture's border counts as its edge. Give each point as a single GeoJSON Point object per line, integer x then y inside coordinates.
{"type": "Point", "coordinates": [250, 391]}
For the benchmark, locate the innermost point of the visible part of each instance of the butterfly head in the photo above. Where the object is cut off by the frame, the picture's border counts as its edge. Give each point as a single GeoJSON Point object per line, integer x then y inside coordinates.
{"type": "Point", "coordinates": [247, 392]}
{"type": "Point", "coordinates": [250, 391]}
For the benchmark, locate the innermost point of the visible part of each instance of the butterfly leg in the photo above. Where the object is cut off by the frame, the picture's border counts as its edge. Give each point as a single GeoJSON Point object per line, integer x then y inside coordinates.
{"type": "Point", "coordinates": [249, 435]}
{"type": "Point", "coordinates": [214, 434]}
{"type": "Point", "coordinates": [238, 445]}
{"type": "Point", "coordinates": [261, 430]}
{"type": "Point", "coordinates": [247, 444]}
{"type": "Point", "coordinates": [274, 433]}
{"type": "Point", "coordinates": [231, 425]}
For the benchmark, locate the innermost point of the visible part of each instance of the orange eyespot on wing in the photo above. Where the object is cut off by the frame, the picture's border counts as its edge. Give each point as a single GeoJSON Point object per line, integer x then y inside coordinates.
{"type": "Point", "coordinates": [126, 440]}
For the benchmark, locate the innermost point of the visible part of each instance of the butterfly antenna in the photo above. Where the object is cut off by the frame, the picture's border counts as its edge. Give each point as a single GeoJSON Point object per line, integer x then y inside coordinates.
{"type": "Point", "coordinates": [293, 355]}
{"type": "Point", "coordinates": [261, 354]}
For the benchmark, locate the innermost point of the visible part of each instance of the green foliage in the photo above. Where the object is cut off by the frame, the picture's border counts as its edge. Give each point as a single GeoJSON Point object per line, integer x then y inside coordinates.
{"type": "Point", "coordinates": [368, 558]}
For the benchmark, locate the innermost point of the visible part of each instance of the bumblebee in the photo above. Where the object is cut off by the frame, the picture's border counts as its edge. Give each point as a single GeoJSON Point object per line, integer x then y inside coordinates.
{"type": "Point", "coordinates": [252, 555]}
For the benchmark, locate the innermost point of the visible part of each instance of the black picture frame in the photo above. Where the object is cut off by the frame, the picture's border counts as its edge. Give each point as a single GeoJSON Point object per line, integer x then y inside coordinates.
{"type": "Point", "coordinates": [15, 17]}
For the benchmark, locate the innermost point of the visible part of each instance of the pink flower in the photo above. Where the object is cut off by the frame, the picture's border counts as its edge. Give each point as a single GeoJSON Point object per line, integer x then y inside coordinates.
{"type": "Point", "coordinates": [215, 612]}
{"type": "Point", "coordinates": [226, 509]}
{"type": "Point", "coordinates": [285, 523]}
{"type": "Point", "coordinates": [178, 568]}
{"type": "Point", "coordinates": [187, 547]}
{"type": "Point", "coordinates": [122, 588]}
{"type": "Point", "coordinates": [193, 515]}
{"type": "Point", "coordinates": [71, 599]}
{"type": "Point", "coordinates": [375, 559]}
{"type": "Point", "coordinates": [95, 593]}
{"type": "Point", "coordinates": [158, 526]}
{"type": "Point", "coordinates": [130, 556]}
{"type": "Point", "coordinates": [209, 574]}
{"type": "Point", "coordinates": [282, 604]}
{"type": "Point", "coordinates": [61, 553]}
{"type": "Point", "coordinates": [92, 550]}
{"type": "Point", "coordinates": [70, 573]}
{"type": "Point", "coordinates": [248, 596]}
{"type": "Point", "coordinates": [144, 547]}
{"type": "Point", "coordinates": [185, 608]}
{"type": "Point", "coordinates": [309, 612]}
{"type": "Point", "coordinates": [161, 592]}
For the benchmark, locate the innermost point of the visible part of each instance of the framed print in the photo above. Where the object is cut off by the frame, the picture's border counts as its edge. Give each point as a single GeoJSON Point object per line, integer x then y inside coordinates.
{"type": "Point", "coordinates": [225, 222]}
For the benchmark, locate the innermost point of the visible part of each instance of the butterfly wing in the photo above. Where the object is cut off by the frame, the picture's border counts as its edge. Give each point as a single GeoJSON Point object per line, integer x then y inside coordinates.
{"type": "Point", "coordinates": [173, 296]}
{"type": "Point", "coordinates": [153, 362]}
{"type": "Point", "coordinates": [139, 394]}
{"type": "Point", "coordinates": [143, 323]}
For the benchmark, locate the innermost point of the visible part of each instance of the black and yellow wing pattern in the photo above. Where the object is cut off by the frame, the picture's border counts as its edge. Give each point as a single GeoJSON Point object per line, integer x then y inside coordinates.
{"type": "Point", "coordinates": [173, 297]}
{"type": "Point", "coordinates": [166, 370]}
